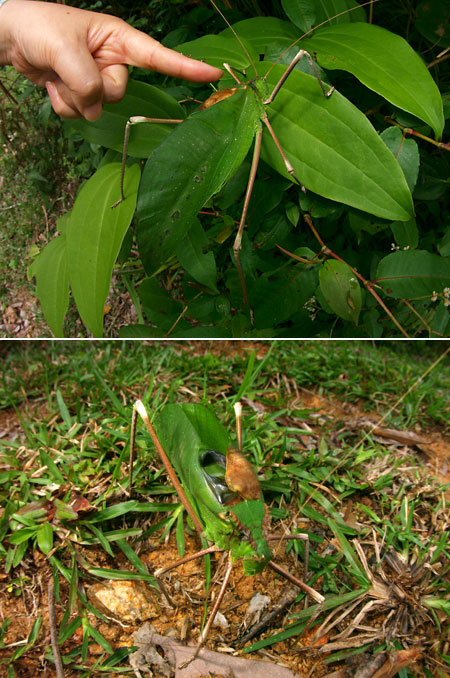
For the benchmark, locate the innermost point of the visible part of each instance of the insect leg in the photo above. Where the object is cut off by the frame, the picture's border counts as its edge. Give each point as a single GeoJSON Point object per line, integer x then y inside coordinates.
{"type": "Point", "coordinates": [238, 240]}
{"type": "Point", "coordinates": [132, 443]}
{"type": "Point", "coordinates": [301, 53]}
{"type": "Point", "coordinates": [288, 165]}
{"type": "Point", "coordinates": [209, 623]}
{"type": "Point", "coordinates": [130, 122]}
{"type": "Point", "coordinates": [298, 582]}
{"type": "Point", "coordinates": [238, 413]}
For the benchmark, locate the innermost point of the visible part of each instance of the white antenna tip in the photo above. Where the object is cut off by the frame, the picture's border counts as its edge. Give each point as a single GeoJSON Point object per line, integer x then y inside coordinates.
{"type": "Point", "coordinates": [140, 407]}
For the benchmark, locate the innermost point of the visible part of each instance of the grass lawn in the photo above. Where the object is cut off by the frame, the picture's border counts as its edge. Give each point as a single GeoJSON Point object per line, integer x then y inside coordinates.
{"type": "Point", "coordinates": [351, 443]}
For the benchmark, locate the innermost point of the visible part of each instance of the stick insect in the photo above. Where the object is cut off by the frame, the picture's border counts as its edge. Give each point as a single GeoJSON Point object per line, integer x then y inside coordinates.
{"type": "Point", "coordinates": [221, 508]}
{"type": "Point", "coordinates": [214, 146]}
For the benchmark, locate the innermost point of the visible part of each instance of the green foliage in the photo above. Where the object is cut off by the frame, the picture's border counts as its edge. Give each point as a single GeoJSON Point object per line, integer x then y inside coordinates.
{"type": "Point", "coordinates": [314, 263]}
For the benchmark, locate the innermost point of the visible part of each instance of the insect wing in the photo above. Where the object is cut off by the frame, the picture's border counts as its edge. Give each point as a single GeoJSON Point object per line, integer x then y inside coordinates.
{"type": "Point", "coordinates": [185, 431]}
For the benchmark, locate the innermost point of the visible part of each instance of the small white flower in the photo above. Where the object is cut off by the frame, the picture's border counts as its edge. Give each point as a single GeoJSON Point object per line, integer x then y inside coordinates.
{"type": "Point", "coordinates": [434, 296]}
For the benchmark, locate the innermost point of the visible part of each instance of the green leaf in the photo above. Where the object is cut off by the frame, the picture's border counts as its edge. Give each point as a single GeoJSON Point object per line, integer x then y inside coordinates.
{"type": "Point", "coordinates": [63, 409]}
{"type": "Point", "coordinates": [201, 266]}
{"type": "Point", "coordinates": [22, 535]}
{"type": "Point", "coordinates": [413, 274]}
{"type": "Point", "coordinates": [341, 289]}
{"type": "Point", "coordinates": [444, 244]}
{"type": "Point", "coordinates": [219, 49]}
{"type": "Point", "coordinates": [261, 31]}
{"type": "Point", "coordinates": [406, 151]}
{"type": "Point", "coordinates": [187, 169]}
{"type": "Point", "coordinates": [406, 234]}
{"type": "Point", "coordinates": [140, 99]}
{"type": "Point", "coordinates": [337, 12]}
{"type": "Point", "coordinates": [52, 283]}
{"type": "Point", "coordinates": [308, 13]}
{"type": "Point", "coordinates": [302, 13]}
{"type": "Point", "coordinates": [433, 22]}
{"type": "Point", "coordinates": [276, 299]}
{"type": "Point", "coordinates": [44, 537]}
{"type": "Point", "coordinates": [158, 305]}
{"type": "Point", "coordinates": [334, 149]}
{"type": "Point", "coordinates": [385, 63]}
{"type": "Point", "coordinates": [95, 236]}
{"type": "Point", "coordinates": [112, 512]}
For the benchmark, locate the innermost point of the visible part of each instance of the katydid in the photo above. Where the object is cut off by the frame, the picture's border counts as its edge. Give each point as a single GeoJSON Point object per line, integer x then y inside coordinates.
{"type": "Point", "coordinates": [213, 142]}
{"type": "Point", "coordinates": [221, 508]}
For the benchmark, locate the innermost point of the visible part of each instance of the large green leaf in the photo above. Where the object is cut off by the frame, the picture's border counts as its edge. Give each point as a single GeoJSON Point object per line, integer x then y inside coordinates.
{"type": "Point", "coordinates": [219, 49]}
{"type": "Point", "coordinates": [385, 63]}
{"type": "Point", "coordinates": [338, 11]}
{"type": "Point", "coordinates": [52, 283]}
{"type": "Point", "coordinates": [334, 149]}
{"type": "Point", "coordinates": [187, 169]}
{"type": "Point", "coordinates": [308, 13]}
{"type": "Point", "coordinates": [140, 100]}
{"type": "Point", "coordinates": [262, 31]}
{"type": "Point", "coordinates": [94, 238]}
{"type": "Point", "coordinates": [413, 274]}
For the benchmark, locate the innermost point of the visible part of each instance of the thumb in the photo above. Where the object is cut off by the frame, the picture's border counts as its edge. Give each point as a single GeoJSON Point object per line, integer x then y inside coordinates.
{"type": "Point", "coordinates": [83, 84]}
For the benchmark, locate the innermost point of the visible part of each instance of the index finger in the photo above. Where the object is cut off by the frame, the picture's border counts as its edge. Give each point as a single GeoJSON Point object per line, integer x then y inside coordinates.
{"type": "Point", "coordinates": [144, 52]}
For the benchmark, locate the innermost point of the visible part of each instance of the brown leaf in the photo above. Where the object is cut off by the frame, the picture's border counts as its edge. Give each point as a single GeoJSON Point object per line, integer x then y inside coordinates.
{"type": "Point", "coordinates": [207, 662]}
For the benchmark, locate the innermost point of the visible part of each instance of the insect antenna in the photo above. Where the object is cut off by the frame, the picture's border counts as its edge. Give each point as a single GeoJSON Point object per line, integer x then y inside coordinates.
{"type": "Point", "coordinates": [238, 413]}
{"type": "Point", "coordinates": [234, 33]}
{"type": "Point", "coordinates": [311, 30]}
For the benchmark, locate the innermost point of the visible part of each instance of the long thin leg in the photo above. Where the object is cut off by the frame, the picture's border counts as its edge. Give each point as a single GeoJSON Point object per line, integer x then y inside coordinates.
{"type": "Point", "coordinates": [298, 582]}
{"type": "Point", "coordinates": [238, 413]}
{"type": "Point", "coordinates": [212, 616]}
{"type": "Point", "coordinates": [248, 195]}
{"type": "Point", "coordinates": [163, 570]}
{"type": "Point", "coordinates": [302, 53]}
{"type": "Point", "coordinates": [132, 442]}
{"type": "Point", "coordinates": [288, 165]}
{"type": "Point", "coordinates": [135, 119]}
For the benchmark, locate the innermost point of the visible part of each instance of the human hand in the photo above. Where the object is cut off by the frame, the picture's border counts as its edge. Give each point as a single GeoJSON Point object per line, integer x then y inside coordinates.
{"type": "Point", "coordinates": [81, 57]}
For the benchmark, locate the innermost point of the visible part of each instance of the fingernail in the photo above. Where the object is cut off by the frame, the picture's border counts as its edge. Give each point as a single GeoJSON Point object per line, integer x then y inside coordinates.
{"type": "Point", "coordinates": [93, 112]}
